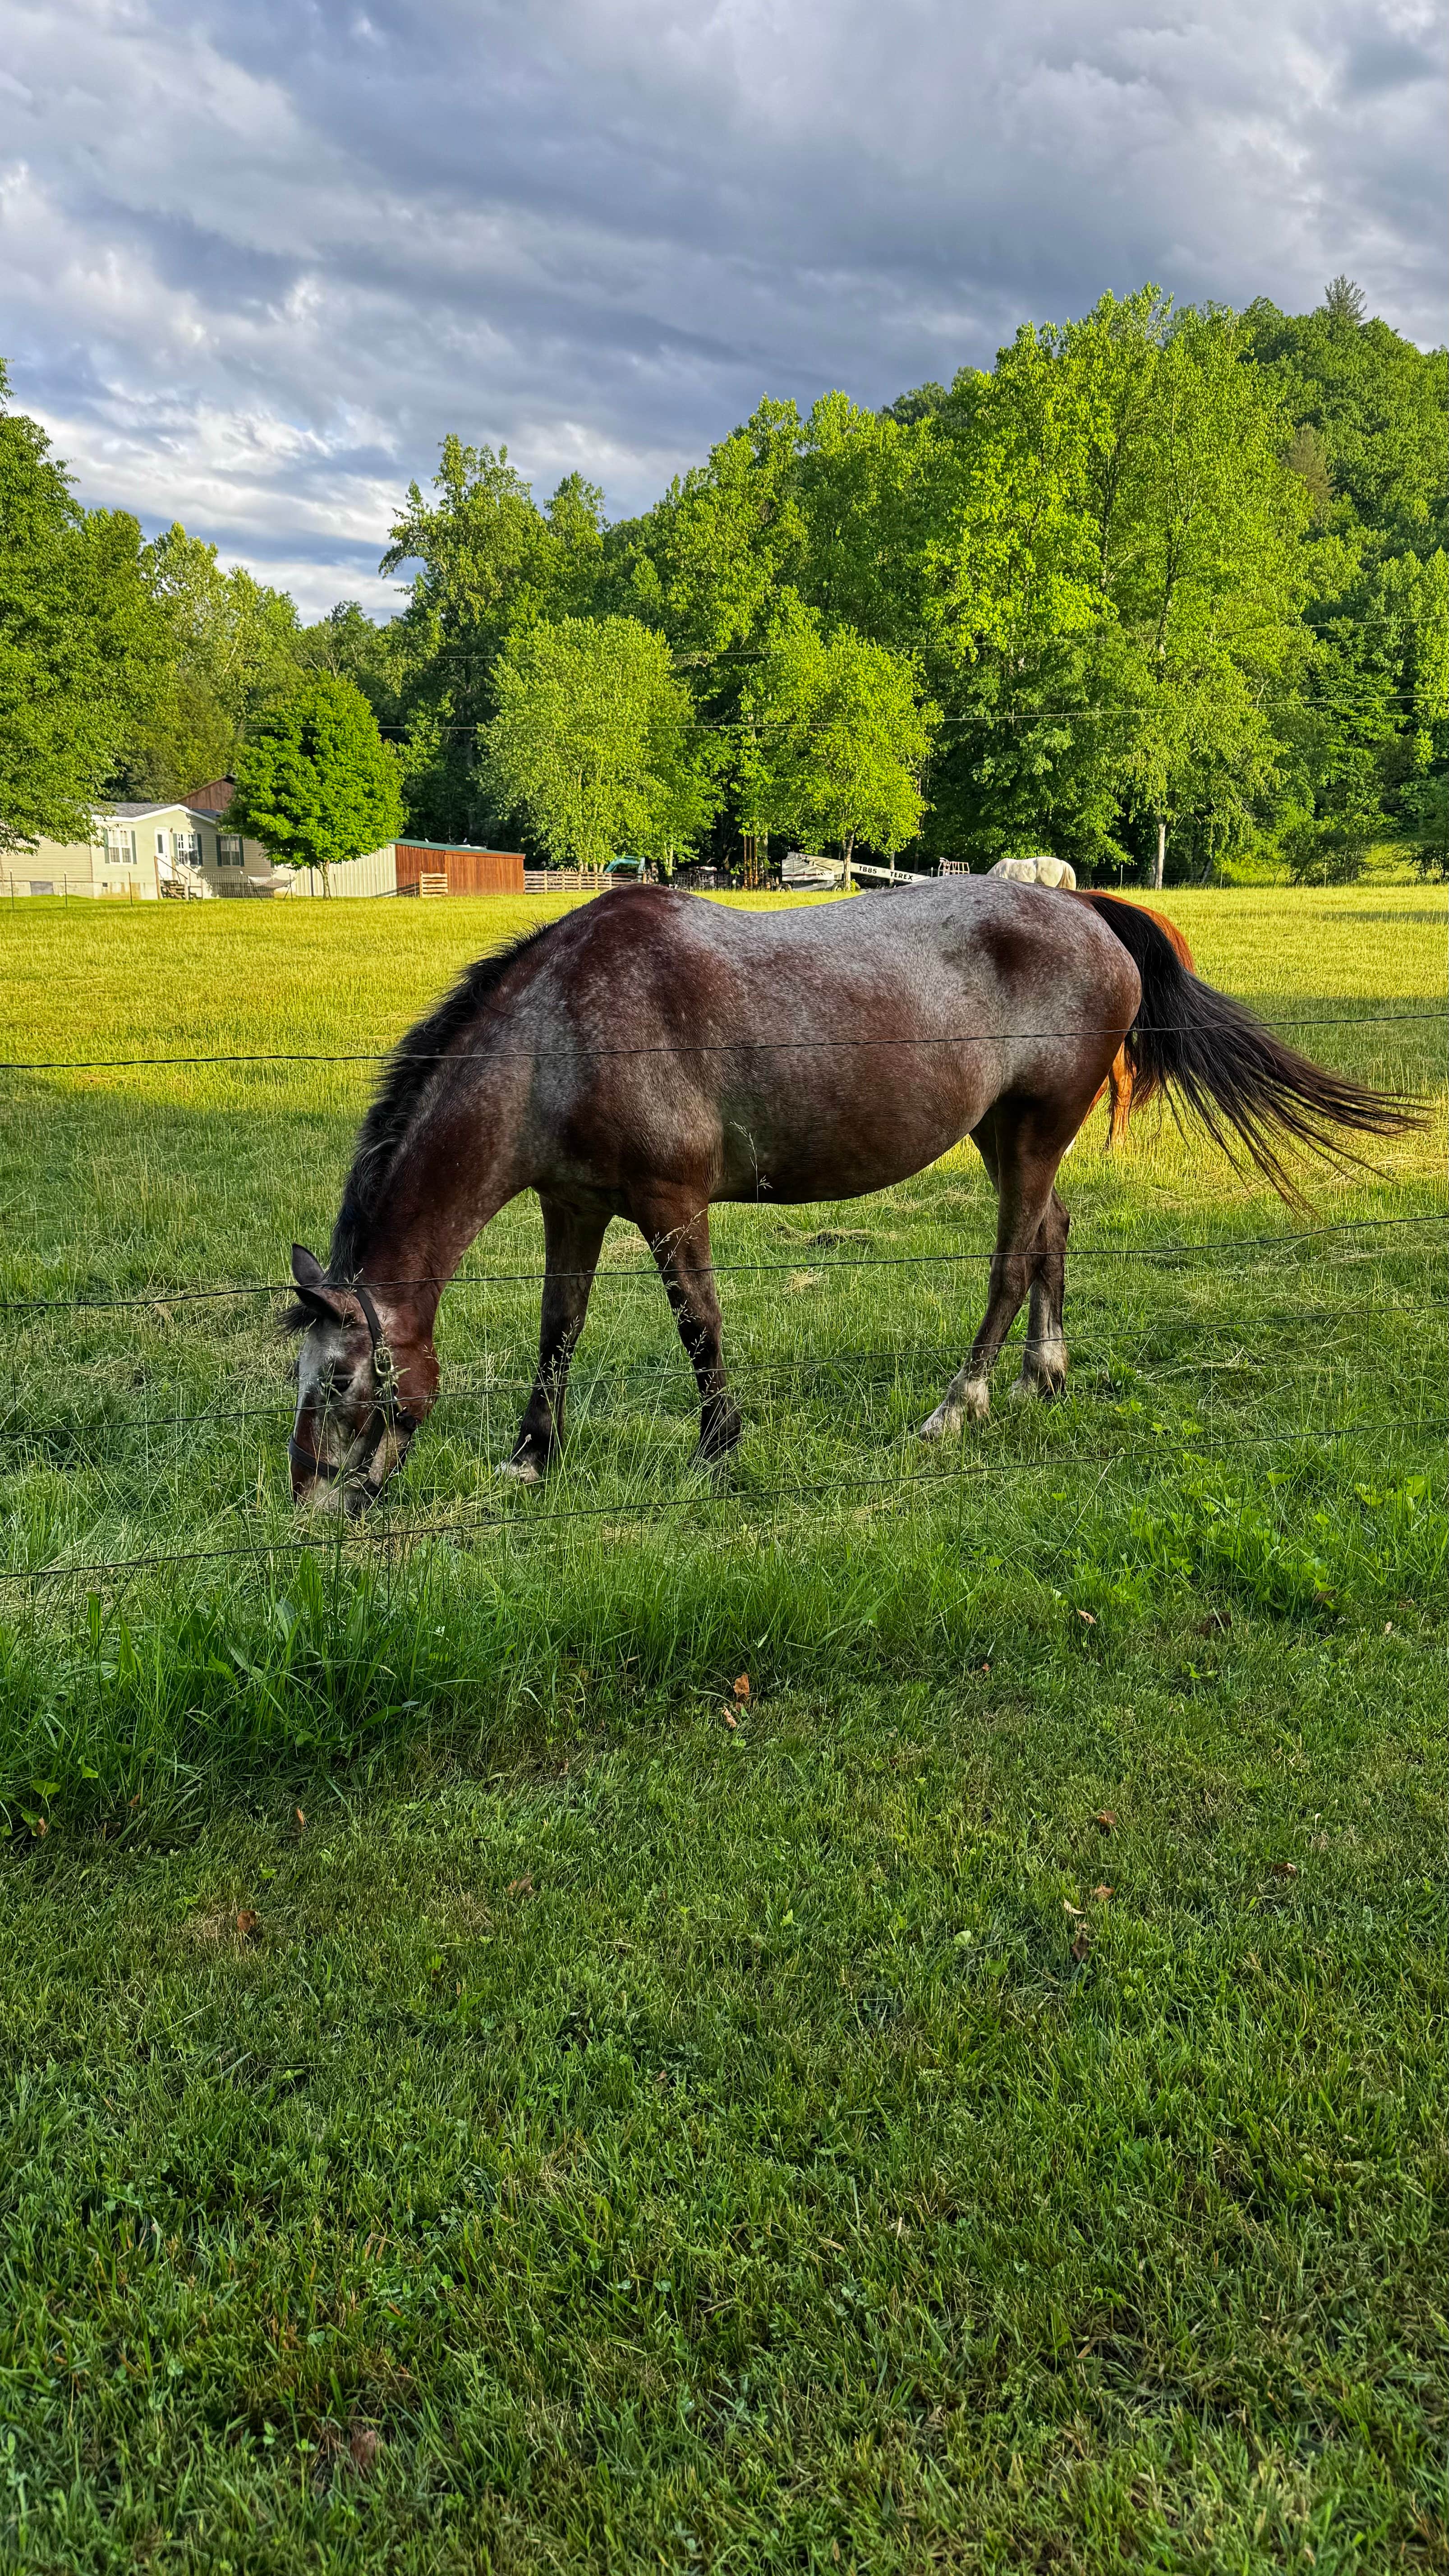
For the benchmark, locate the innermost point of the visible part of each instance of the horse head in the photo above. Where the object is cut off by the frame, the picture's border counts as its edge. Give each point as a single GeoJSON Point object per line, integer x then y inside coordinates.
{"type": "Point", "coordinates": [366, 1376]}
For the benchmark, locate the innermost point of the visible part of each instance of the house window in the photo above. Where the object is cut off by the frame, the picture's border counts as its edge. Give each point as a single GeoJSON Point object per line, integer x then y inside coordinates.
{"type": "Point", "coordinates": [228, 849]}
{"type": "Point", "coordinates": [160, 845]}
{"type": "Point", "coordinates": [186, 846]}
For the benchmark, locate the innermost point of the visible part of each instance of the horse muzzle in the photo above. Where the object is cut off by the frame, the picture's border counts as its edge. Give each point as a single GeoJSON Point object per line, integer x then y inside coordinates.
{"type": "Point", "coordinates": [351, 1487]}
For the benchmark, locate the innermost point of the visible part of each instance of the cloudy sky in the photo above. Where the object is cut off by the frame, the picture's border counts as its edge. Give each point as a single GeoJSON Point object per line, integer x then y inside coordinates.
{"type": "Point", "coordinates": [256, 256]}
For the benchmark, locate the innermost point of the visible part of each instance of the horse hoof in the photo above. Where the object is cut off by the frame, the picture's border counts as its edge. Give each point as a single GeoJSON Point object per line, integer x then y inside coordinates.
{"type": "Point", "coordinates": [522, 1470]}
{"type": "Point", "coordinates": [944, 1424]}
{"type": "Point", "coordinates": [968, 1400]}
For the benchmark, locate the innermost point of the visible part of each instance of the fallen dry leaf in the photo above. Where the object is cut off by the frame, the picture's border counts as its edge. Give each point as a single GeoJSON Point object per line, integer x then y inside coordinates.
{"type": "Point", "coordinates": [246, 1923]}
{"type": "Point", "coordinates": [986, 1668]}
{"type": "Point", "coordinates": [301, 1822]}
{"type": "Point", "coordinates": [731, 1720]}
{"type": "Point", "coordinates": [1089, 1615]}
{"type": "Point", "coordinates": [521, 1886]}
{"type": "Point", "coordinates": [362, 2444]}
{"type": "Point", "coordinates": [742, 1686]}
{"type": "Point", "coordinates": [1106, 1817]}
{"type": "Point", "coordinates": [1069, 1908]}
{"type": "Point", "coordinates": [1102, 1893]}
{"type": "Point", "coordinates": [1285, 1869]}
{"type": "Point", "coordinates": [1081, 1945]}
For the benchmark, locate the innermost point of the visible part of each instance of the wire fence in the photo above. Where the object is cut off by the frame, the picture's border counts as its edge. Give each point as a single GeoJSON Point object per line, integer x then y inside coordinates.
{"type": "Point", "coordinates": [747, 1367]}
{"type": "Point", "coordinates": [1345, 1242]}
{"type": "Point", "coordinates": [824, 1259]}
{"type": "Point", "coordinates": [400, 1536]}
{"type": "Point", "coordinates": [579, 1052]}
{"type": "Point", "coordinates": [826, 1251]}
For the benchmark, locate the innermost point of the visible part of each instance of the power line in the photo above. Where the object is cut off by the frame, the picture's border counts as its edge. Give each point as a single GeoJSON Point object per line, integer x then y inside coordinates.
{"type": "Point", "coordinates": [1410, 700]}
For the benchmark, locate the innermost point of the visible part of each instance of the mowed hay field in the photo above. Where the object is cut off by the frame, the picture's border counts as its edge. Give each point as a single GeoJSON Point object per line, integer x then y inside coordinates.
{"type": "Point", "coordinates": [485, 2092]}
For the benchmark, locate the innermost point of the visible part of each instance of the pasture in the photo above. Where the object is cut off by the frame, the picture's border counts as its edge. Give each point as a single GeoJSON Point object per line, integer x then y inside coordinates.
{"type": "Point", "coordinates": [485, 2090]}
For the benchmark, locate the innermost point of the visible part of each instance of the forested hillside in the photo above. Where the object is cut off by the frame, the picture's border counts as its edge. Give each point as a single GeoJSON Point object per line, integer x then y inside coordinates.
{"type": "Point", "coordinates": [1162, 589]}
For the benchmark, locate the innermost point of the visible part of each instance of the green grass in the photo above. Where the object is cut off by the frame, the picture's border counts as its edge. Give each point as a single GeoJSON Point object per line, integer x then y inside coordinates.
{"type": "Point", "coordinates": [594, 2135]}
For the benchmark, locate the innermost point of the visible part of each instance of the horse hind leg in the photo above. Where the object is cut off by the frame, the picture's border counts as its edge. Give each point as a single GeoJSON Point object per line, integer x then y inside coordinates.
{"type": "Point", "coordinates": [1044, 1358]}
{"type": "Point", "coordinates": [1024, 1170]}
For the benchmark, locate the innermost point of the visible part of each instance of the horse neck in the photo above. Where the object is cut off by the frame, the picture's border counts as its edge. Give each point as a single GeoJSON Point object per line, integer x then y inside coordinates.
{"type": "Point", "coordinates": [435, 1202]}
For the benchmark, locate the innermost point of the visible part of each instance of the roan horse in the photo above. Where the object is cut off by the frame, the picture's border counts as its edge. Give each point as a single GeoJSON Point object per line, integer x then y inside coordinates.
{"type": "Point", "coordinates": [652, 1053]}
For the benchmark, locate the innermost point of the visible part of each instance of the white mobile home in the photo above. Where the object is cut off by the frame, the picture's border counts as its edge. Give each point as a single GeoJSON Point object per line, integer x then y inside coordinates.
{"type": "Point", "coordinates": [138, 852]}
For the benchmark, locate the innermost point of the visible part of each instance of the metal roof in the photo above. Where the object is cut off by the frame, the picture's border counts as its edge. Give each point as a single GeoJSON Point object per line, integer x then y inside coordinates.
{"type": "Point", "coordinates": [167, 805]}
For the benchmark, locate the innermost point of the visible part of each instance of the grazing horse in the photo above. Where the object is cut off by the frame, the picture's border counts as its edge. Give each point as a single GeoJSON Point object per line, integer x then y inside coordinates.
{"type": "Point", "coordinates": [650, 1056]}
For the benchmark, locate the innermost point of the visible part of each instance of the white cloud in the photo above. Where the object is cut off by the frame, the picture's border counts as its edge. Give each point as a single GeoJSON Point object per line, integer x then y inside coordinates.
{"type": "Point", "coordinates": [255, 261]}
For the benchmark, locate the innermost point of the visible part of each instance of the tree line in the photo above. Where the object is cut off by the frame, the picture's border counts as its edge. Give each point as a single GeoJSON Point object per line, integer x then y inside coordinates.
{"type": "Point", "coordinates": [1161, 590]}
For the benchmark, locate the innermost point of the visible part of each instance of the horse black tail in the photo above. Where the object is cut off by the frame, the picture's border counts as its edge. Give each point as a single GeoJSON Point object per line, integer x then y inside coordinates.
{"type": "Point", "coordinates": [1197, 1046]}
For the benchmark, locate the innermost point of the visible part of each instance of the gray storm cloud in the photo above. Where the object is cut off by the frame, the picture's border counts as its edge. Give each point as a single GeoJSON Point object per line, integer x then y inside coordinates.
{"type": "Point", "coordinates": [255, 260]}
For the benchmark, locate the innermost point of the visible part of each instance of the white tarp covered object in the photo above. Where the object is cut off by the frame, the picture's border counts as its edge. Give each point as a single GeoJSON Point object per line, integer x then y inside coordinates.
{"type": "Point", "coordinates": [803, 868]}
{"type": "Point", "coordinates": [1043, 870]}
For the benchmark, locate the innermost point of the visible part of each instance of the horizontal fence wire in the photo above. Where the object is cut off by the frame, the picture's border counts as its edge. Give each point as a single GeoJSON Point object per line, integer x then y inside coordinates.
{"type": "Point", "coordinates": [759, 1364]}
{"type": "Point", "coordinates": [686, 1047]}
{"type": "Point", "coordinates": [745, 1364]}
{"type": "Point", "coordinates": [1214, 1248]}
{"type": "Point", "coordinates": [403, 1535]}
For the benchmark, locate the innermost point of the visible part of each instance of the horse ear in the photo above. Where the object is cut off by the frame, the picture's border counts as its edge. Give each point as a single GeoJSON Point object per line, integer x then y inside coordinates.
{"type": "Point", "coordinates": [317, 1291]}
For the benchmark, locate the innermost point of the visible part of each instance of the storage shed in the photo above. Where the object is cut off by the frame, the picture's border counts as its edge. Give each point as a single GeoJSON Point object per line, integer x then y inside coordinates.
{"type": "Point", "coordinates": [464, 870]}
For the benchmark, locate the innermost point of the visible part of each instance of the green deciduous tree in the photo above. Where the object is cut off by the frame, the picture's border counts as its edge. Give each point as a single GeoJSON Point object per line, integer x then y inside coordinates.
{"type": "Point", "coordinates": [347, 644]}
{"type": "Point", "coordinates": [595, 742]}
{"type": "Point", "coordinates": [315, 781]}
{"type": "Point", "coordinates": [1123, 528]}
{"type": "Point", "coordinates": [489, 561]}
{"type": "Point", "coordinates": [82, 651]}
{"type": "Point", "coordinates": [844, 738]}
{"type": "Point", "coordinates": [709, 563]}
{"type": "Point", "coordinates": [233, 649]}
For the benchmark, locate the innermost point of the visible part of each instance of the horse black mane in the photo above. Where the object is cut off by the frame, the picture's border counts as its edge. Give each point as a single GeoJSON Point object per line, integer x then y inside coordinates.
{"type": "Point", "coordinates": [409, 1071]}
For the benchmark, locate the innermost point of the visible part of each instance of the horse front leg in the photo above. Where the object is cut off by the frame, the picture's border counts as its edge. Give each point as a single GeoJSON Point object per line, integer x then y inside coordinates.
{"type": "Point", "coordinates": [675, 1225]}
{"type": "Point", "coordinates": [572, 1237]}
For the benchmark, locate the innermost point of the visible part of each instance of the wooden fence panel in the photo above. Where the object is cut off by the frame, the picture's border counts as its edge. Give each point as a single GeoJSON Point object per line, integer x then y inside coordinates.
{"type": "Point", "coordinates": [467, 871]}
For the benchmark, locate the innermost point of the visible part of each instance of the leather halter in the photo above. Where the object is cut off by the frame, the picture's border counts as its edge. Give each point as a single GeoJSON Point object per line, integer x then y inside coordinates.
{"type": "Point", "coordinates": [387, 1413]}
